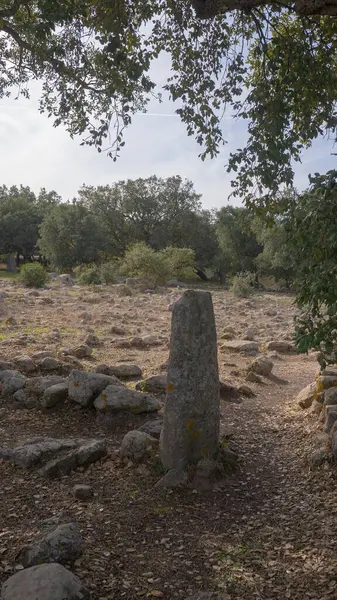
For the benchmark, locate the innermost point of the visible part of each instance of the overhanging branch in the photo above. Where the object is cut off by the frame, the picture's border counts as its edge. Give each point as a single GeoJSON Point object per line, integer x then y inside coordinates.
{"type": "Point", "coordinates": [207, 9]}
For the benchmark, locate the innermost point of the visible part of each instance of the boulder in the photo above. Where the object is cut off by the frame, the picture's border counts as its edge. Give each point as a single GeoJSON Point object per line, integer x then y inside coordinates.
{"type": "Point", "coordinates": [324, 382]}
{"type": "Point", "coordinates": [157, 384]}
{"type": "Point", "coordinates": [11, 381]}
{"type": "Point", "coordinates": [54, 395]}
{"type": "Point", "coordinates": [282, 346]}
{"type": "Point", "coordinates": [64, 545]}
{"type": "Point", "coordinates": [85, 387]}
{"type": "Point", "coordinates": [115, 398]}
{"type": "Point", "coordinates": [331, 418]}
{"type": "Point", "coordinates": [330, 396]}
{"type": "Point", "coordinates": [41, 355]}
{"type": "Point", "coordinates": [32, 451]}
{"type": "Point", "coordinates": [306, 396]}
{"type": "Point", "coordinates": [84, 455]}
{"type": "Point", "coordinates": [44, 582]}
{"type": "Point", "coordinates": [261, 366]}
{"type": "Point", "coordinates": [334, 445]}
{"type": "Point", "coordinates": [241, 346]}
{"type": "Point", "coordinates": [152, 428]}
{"type": "Point", "coordinates": [122, 371]}
{"type": "Point", "coordinates": [137, 445]}
{"type": "Point", "coordinates": [37, 385]}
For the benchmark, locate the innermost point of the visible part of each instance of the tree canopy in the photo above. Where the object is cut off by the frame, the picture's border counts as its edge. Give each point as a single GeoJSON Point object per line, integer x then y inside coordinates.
{"type": "Point", "coordinates": [270, 64]}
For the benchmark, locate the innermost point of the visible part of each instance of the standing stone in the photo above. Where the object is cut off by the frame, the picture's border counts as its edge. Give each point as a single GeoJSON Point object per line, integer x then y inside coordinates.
{"type": "Point", "coordinates": [11, 263]}
{"type": "Point", "coordinates": [191, 421]}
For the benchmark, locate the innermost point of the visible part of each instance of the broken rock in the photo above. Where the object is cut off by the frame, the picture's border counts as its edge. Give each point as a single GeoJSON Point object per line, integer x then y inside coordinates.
{"type": "Point", "coordinates": [63, 545]}
{"type": "Point", "coordinates": [85, 387]}
{"type": "Point", "coordinates": [115, 398]}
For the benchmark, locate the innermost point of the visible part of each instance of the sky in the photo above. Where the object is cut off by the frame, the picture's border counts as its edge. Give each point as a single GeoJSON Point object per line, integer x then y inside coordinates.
{"type": "Point", "coordinates": [34, 153]}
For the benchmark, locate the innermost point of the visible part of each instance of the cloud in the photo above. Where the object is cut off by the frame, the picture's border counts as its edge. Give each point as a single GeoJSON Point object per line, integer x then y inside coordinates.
{"type": "Point", "coordinates": [34, 153]}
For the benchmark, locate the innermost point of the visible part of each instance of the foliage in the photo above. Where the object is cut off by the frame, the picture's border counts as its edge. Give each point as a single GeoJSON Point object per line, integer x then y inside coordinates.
{"type": "Point", "coordinates": [314, 244]}
{"type": "Point", "coordinates": [108, 272]}
{"type": "Point", "coordinates": [276, 259]}
{"type": "Point", "coordinates": [243, 284]}
{"type": "Point", "coordinates": [90, 275]}
{"type": "Point", "coordinates": [270, 66]}
{"type": "Point", "coordinates": [33, 275]}
{"type": "Point", "coordinates": [179, 261]}
{"type": "Point", "coordinates": [238, 244]}
{"type": "Point", "coordinates": [21, 213]}
{"type": "Point", "coordinates": [142, 261]}
{"type": "Point", "coordinates": [70, 235]}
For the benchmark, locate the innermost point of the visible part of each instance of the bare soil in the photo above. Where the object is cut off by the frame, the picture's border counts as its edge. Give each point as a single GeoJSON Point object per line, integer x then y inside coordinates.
{"type": "Point", "coordinates": [269, 533]}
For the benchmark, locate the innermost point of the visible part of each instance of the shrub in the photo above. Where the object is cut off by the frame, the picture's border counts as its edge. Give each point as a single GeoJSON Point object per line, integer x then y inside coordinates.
{"type": "Point", "coordinates": [179, 262]}
{"type": "Point", "coordinates": [89, 275]}
{"type": "Point", "coordinates": [142, 261]}
{"type": "Point", "coordinates": [33, 275]}
{"type": "Point", "coordinates": [108, 272]}
{"type": "Point", "coordinates": [242, 284]}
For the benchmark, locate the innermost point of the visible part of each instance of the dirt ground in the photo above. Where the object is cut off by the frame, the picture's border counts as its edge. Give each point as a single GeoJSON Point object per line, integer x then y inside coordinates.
{"type": "Point", "coordinates": [269, 534]}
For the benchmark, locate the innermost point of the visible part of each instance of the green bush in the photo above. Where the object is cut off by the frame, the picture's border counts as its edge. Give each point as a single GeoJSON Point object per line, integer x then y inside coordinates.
{"type": "Point", "coordinates": [33, 275]}
{"type": "Point", "coordinates": [242, 284]}
{"type": "Point", "coordinates": [89, 275]}
{"type": "Point", "coordinates": [108, 272]}
{"type": "Point", "coordinates": [142, 261]}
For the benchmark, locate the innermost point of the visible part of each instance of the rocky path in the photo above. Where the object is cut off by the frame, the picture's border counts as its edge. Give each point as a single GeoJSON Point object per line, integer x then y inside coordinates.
{"type": "Point", "coordinates": [269, 534]}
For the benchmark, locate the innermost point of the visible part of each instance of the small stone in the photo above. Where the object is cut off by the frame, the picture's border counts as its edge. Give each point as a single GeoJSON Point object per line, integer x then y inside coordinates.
{"type": "Point", "coordinates": [54, 395]}
{"type": "Point", "coordinates": [174, 478]}
{"type": "Point", "coordinates": [281, 346]}
{"type": "Point", "coordinates": [306, 396]}
{"type": "Point", "coordinates": [20, 396]}
{"type": "Point", "coordinates": [82, 351]}
{"type": "Point", "coordinates": [245, 391]}
{"type": "Point", "coordinates": [92, 340]}
{"type": "Point", "coordinates": [25, 363]}
{"type": "Point", "coordinates": [316, 408]}
{"type": "Point", "coordinates": [261, 366]}
{"type": "Point", "coordinates": [115, 398]}
{"type": "Point", "coordinates": [137, 445]}
{"type": "Point", "coordinates": [41, 355]}
{"type": "Point", "coordinates": [122, 371]}
{"type": "Point", "coordinates": [318, 457]}
{"type": "Point", "coordinates": [157, 384]}
{"type": "Point", "coordinates": [152, 428]}
{"type": "Point", "coordinates": [11, 381]}
{"type": "Point", "coordinates": [244, 346]}
{"type": "Point", "coordinates": [49, 364]}
{"type": "Point", "coordinates": [253, 377]}
{"type": "Point", "coordinates": [3, 413]}
{"type": "Point", "coordinates": [117, 330]}
{"type": "Point", "coordinates": [83, 492]}
{"type": "Point", "coordinates": [249, 335]}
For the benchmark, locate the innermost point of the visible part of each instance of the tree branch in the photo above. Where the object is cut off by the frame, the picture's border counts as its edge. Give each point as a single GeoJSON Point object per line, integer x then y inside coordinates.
{"type": "Point", "coordinates": [6, 13]}
{"type": "Point", "coordinates": [208, 9]}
